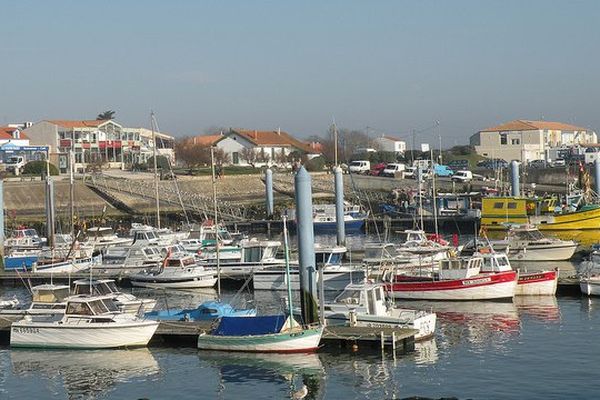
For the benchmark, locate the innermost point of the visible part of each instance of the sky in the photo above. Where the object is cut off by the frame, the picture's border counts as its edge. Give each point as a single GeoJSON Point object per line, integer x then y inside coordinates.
{"type": "Point", "coordinates": [392, 66]}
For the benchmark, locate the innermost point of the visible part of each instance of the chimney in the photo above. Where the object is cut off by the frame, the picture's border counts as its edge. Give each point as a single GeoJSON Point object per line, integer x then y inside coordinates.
{"type": "Point", "coordinates": [255, 134]}
{"type": "Point", "coordinates": [279, 131]}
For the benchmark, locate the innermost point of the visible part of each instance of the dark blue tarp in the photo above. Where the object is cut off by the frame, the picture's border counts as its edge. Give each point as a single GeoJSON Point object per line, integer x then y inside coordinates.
{"type": "Point", "coordinates": [246, 326]}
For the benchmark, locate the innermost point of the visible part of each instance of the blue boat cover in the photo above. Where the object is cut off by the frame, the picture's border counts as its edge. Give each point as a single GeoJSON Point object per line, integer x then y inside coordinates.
{"type": "Point", "coordinates": [250, 326]}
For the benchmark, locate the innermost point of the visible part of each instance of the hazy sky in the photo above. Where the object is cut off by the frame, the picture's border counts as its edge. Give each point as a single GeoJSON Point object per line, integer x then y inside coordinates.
{"type": "Point", "coordinates": [391, 65]}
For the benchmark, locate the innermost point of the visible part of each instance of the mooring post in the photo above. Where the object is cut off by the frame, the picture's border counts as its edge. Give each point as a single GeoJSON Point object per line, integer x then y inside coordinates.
{"type": "Point", "coordinates": [382, 338]}
{"type": "Point", "coordinates": [306, 246]}
{"type": "Point", "coordinates": [514, 179]}
{"type": "Point", "coordinates": [269, 192]}
{"type": "Point", "coordinates": [339, 206]}
{"type": "Point", "coordinates": [50, 210]}
{"type": "Point", "coordinates": [597, 175]}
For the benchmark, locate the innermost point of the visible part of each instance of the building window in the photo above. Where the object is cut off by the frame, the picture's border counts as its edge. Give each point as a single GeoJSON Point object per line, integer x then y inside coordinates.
{"type": "Point", "coordinates": [503, 138]}
{"type": "Point", "coordinates": [515, 141]}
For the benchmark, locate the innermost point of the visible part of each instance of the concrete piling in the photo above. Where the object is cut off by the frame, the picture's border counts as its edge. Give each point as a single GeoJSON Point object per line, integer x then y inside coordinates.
{"type": "Point", "coordinates": [50, 220]}
{"type": "Point", "coordinates": [269, 192]}
{"type": "Point", "coordinates": [514, 179]}
{"type": "Point", "coordinates": [339, 207]}
{"type": "Point", "coordinates": [306, 246]}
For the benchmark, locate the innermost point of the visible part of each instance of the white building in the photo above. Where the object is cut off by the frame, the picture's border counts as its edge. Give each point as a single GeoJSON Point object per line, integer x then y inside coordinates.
{"type": "Point", "coordinates": [525, 140]}
{"type": "Point", "coordinates": [13, 142]}
{"type": "Point", "coordinates": [258, 148]}
{"type": "Point", "coordinates": [389, 143]}
{"type": "Point", "coordinates": [97, 141]}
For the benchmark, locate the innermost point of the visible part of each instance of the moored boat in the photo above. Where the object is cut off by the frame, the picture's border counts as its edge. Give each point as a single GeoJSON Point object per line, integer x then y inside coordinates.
{"type": "Point", "coordinates": [178, 271]}
{"type": "Point", "coordinates": [206, 311]}
{"type": "Point", "coordinates": [88, 323]}
{"type": "Point", "coordinates": [457, 279]}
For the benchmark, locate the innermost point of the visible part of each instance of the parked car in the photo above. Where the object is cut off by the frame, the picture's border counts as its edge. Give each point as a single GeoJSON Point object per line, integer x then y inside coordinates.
{"type": "Point", "coordinates": [537, 164]}
{"type": "Point", "coordinates": [443, 170]}
{"type": "Point", "coordinates": [462, 176]}
{"type": "Point", "coordinates": [359, 167]}
{"type": "Point", "coordinates": [410, 173]}
{"type": "Point", "coordinates": [393, 169]}
{"type": "Point", "coordinates": [377, 170]}
{"type": "Point", "coordinates": [493, 163]}
{"type": "Point", "coordinates": [559, 162]}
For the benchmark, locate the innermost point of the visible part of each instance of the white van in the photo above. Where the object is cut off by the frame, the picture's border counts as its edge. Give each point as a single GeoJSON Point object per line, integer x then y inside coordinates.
{"type": "Point", "coordinates": [393, 169]}
{"type": "Point", "coordinates": [359, 167]}
{"type": "Point", "coordinates": [462, 176]}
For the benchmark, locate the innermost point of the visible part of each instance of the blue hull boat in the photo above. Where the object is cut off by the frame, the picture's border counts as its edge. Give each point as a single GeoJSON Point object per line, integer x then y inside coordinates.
{"type": "Point", "coordinates": [19, 262]}
{"type": "Point", "coordinates": [206, 311]}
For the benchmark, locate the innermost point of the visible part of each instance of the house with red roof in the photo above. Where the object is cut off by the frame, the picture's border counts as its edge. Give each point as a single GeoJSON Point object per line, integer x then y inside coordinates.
{"type": "Point", "coordinates": [390, 143]}
{"type": "Point", "coordinates": [527, 140]}
{"type": "Point", "coordinates": [14, 142]}
{"type": "Point", "coordinates": [258, 147]}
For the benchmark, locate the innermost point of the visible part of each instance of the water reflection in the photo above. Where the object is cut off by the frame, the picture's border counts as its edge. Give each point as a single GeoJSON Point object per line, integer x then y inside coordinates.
{"type": "Point", "coordinates": [239, 371]}
{"type": "Point", "coordinates": [543, 308]}
{"type": "Point", "coordinates": [85, 373]}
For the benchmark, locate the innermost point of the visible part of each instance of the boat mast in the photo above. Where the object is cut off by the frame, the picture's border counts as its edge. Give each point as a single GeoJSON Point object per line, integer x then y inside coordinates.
{"type": "Point", "coordinates": [217, 242]}
{"type": "Point", "coordinates": [287, 270]}
{"type": "Point", "coordinates": [433, 194]}
{"type": "Point", "coordinates": [71, 192]}
{"type": "Point", "coordinates": [155, 170]}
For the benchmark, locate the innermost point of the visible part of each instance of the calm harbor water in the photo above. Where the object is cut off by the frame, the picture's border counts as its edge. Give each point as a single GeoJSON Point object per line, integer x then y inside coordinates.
{"type": "Point", "coordinates": [528, 349]}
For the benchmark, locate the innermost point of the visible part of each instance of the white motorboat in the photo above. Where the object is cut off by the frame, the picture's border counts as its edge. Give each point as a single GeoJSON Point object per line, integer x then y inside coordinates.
{"type": "Point", "coordinates": [336, 276]}
{"type": "Point", "coordinates": [24, 239]}
{"type": "Point", "coordinates": [527, 243]}
{"type": "Point", "coordinates": [62, 265]}
{"type": "Point", "coordinates": [254, 255]}
{"type": "Point", "coordinates": [589, 274]}
{"type": "Point", "coordinates": [93, 322]}
{"type": "Point", "coordinates": [102, 237]}
{"type": "Point", "coordinates": [129, 259]}
{"type": "Point", "coordinates": [363, 304]}
{"type": "Point", "coordinates": [178, 271]}
{"type": "Point", "coordinates": [416, 243]}
{"type": "Point", "coordinates": [126, 302]}
{"type": "Point", "coordinates": [46, 299]}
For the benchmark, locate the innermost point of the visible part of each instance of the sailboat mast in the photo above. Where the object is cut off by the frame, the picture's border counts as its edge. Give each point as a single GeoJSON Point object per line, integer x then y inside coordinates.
{"type": "Point", "coordinates": [433, 194]}
{"type": "Point", "coordinates": [71, 192]}
{"type": "Point", "coordinates": [287, 270]}
{"type": "Point", "coordinates": [217, 241]}
{"type": "Point", "coordinates": [155, 170]}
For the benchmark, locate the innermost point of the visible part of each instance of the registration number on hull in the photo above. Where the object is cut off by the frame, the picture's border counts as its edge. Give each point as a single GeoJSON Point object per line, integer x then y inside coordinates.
{"type": "Point", "coordinates": [476, 281]}
{"type": "Point", "coordinates": [26, 330]}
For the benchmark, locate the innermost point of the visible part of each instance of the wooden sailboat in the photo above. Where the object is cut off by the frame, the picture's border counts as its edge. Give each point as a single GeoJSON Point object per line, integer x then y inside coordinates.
{"type": "Point", "coordinates": [264, 334]}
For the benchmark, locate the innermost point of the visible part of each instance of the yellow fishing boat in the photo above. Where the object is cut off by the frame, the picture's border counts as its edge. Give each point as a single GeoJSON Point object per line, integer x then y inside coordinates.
{"type": "Point", "coordinates": [546, 214]}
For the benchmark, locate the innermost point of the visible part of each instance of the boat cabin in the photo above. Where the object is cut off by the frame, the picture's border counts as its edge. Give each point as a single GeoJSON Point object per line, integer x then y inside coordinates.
{"type": "Point", "coordinates": [254, 251]}
{"type": "Point", "coordinates": [95, 287]}
{"type": "Point", "coordinates": [50, 293]}
{"type": "Point", "coordinates": [180, 260]}
{"type": "Point", "coordinates": [86, 306]}
{"type": "Point", "coordinates": [495, 262]}
{"type": "Point", "coordinates": [378, 252]}
{"type": "Point", "coordinates": [525, 234]}
{"type": "Point", "coordinates": [145, 238]}
{"type": "Point", "coordinates": [460, 267]}
{"type": "Point", "coordinates": [365, 298]}
{"type": "Point", "coordinates": [408, 237]}
{"type": "Point", "coordinates": [25, 237]}
{"type": "Point", "coordinates": [329, 255]}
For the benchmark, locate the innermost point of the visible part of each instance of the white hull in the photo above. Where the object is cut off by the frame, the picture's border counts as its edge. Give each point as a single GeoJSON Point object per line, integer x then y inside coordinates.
{"type": "Point", "coordinates": [590, 287]}
{"type": "Point", "coordinates": [67, 266]}
{"type": "Point", "coordinates": [487, 292]}
{"type": "Point", "coordinates": [333, 280]}
{"type": "Point", "coordinates": [425, 325]}
{"type": "Point", "coordinates": [545, 253]}
{"type": "Point", "coordinates": [85, 336]}
{"type": "Point", "coordinates": [263, 344]}
{"type": "Point", "coordinates": [189, 284]}
{"type": "Point", "coordinates": [545, 288]}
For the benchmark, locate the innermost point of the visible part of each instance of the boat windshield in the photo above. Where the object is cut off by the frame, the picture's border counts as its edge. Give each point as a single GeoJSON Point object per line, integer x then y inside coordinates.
{"type": "Point", "coordinates": [502, 261]}
{"type": "Point", "coordinates": [349, 296]}
{"type": "Point", "coordinates": [78, 309]}
{"type": "Point", "coordinates": [30, 232]}
{"type": "Point", "coordinates": [110, 305]}
{"type": "Point", "coordinates": [98, 307]}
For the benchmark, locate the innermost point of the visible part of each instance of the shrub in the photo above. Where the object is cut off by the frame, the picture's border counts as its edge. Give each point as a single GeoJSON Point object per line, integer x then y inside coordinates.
{"type": "Point", "coordinates": [316, 164]}
{"type": "Point", "coordinates": [162, 162]}
{"type": "Point", "coordinates": [39, 168]}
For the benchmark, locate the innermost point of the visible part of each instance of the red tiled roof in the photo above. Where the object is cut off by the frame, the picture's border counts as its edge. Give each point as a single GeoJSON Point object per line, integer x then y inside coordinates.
{"type": "Point", "coordinates": [273, 138]}
{"type": "Point", "coordinates": [526, 125]}
{"type": "Point", "coordinates": [92, 123]}
{"type": "Point", "coordinates": [206, 140]}
{"type": "Point", "coordinates": [6, 132]}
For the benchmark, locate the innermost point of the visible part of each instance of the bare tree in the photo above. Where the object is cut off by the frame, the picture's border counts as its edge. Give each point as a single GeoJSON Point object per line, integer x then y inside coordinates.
{"type": "Point", "coordinates": [281, 159]}
{"type": "Point", "coordinates": [191, 154]}
{"type": "Point", "coordinates": [249, 155]}
{"type": "Point", "coordinates": [221, 157]}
